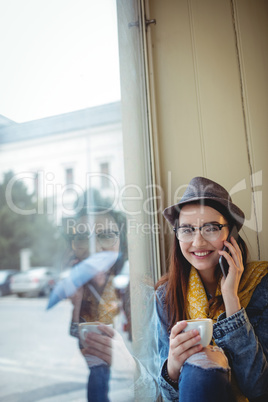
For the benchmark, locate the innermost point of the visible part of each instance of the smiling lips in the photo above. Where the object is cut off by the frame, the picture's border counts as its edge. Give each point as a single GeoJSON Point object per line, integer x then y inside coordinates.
{"type": "Point", "coordinates": [201, 253]}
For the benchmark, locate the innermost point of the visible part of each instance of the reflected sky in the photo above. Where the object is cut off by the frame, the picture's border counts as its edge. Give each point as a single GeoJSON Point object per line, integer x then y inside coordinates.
{"type": "Point", "coordinates": [57, 56]}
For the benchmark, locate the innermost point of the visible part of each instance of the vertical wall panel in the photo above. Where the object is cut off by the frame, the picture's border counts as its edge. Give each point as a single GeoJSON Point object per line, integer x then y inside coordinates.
{"type": "Point", "coordinates": [203, 125]}
{"type": "Point", "coordinates": [251, 20]}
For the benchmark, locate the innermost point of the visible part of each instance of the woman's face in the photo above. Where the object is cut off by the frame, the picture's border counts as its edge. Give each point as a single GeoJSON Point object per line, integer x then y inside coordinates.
{"type": "Point", "coordinates": [199, 252]}
{"type": "Point", "coordinates": [95, 234]}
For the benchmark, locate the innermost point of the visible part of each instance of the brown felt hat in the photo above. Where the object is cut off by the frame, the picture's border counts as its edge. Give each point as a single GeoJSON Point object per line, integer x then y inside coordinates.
{"type": "Point", "coordinates": [206, 192]}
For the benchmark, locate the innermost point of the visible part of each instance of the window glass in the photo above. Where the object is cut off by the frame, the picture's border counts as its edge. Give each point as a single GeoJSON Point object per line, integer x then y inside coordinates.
{"type": "Point", "coordinates": [77, 232]}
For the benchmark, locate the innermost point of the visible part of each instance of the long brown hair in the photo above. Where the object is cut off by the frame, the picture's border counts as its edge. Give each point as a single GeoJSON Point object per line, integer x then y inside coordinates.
{"type": "Point", "coordinates": [177, 278]}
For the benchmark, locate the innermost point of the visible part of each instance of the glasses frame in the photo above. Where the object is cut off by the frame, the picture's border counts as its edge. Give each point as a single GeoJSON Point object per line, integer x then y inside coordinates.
{"type": "Point", "coordinates": [97, 235]}
{"type": "Point", "coordinates": [117, 235]}
{"type": "Point", "coordinates": [193, 228]}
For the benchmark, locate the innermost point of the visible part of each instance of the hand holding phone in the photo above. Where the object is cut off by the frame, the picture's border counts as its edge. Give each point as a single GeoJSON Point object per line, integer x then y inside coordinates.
{"type": "Point", "coordinates": [222, 261]}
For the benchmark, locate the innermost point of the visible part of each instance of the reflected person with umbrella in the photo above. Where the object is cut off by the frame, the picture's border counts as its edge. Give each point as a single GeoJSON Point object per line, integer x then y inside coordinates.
{"type": "Point", "coordinates": [99, 231]}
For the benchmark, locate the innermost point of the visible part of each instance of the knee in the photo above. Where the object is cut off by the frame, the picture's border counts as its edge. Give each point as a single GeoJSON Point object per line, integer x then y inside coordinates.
{"type": "Point", "coordinates": [204, 384]}
{"type": "Point", "coordinates": [197, 376]}
{"type": "Point", "coordinates": [210, 357]}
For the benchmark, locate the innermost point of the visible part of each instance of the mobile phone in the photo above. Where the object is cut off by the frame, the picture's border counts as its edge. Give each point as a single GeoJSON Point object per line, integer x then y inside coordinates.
{"type": "Point", "coordinates": [222, 261]}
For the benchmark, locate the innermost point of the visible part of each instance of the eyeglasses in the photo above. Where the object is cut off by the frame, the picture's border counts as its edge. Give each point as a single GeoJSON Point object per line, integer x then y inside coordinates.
{"type": "Point", "coordinates": [106, 239]}
{"type": "Point", "coordinates": [209, 231]}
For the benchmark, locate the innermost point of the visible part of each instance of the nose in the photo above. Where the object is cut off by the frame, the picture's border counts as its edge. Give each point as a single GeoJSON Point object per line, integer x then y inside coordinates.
{"type": "Point", "coordinates": [198, 239]}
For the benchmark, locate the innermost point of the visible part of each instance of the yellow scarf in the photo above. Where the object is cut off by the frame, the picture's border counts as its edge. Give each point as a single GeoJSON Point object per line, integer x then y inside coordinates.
{"type": "Point", "coordinates": [198, 305]}
{"type": "Point", "coordinates": [103, 307]}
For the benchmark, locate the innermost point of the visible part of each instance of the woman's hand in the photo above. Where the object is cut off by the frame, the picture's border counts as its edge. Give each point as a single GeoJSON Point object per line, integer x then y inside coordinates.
{"type": "Point", "coordinates": [100, 345]}
{"type": "Point", "coordinates": [110, 347]}
{"type": "Point", "coordinates": [181, 346]}
{"type": "Point", "coordinates": [230, 284]}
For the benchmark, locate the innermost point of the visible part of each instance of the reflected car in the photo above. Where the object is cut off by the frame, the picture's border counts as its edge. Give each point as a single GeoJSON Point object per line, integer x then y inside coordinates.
{"type": "Point", "coordinates": [34, 282]}
{"type": "Point", "coordinates": [5, 277]}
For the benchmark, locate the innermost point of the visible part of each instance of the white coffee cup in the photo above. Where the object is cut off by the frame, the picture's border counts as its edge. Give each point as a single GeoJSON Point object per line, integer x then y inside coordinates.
{"type": "Point", "coordinates": [85, 328]}
{"type": "Point", "coordinates": [205, 328]}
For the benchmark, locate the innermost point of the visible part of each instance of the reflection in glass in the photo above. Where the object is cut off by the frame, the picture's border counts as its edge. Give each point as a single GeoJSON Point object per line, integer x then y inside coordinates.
{"type": "Point", "coordinates": [98, 301]}
{"type": "Point", "coordinates": [65, 158]}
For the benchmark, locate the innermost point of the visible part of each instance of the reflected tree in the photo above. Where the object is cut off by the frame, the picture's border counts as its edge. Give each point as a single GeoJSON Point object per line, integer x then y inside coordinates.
{"type": "Point", "coordinates": [19, 231]}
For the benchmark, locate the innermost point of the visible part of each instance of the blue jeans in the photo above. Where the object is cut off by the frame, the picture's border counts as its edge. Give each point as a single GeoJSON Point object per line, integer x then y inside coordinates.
{"type": "Point", "coordinates": [197, 384]}
{"type": "Point", "coordinates": [98, 384]}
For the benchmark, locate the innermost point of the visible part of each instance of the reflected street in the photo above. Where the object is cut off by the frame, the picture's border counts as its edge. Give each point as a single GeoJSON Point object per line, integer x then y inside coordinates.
{"type": "Point", "coordinates": [39, 360]}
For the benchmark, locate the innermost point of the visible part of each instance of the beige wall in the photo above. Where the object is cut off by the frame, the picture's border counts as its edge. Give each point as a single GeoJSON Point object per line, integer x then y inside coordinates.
{"type": "Point", "coordinates": [209, 70]}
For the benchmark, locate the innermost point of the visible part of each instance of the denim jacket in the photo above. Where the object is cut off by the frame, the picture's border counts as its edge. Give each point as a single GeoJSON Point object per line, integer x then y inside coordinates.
{"type": "Point", "coordinates": [243, 337]}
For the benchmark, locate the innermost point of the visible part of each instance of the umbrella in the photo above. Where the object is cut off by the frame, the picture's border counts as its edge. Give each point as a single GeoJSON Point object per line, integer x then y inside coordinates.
{"type": "Point", "coordinates": [83, 272]}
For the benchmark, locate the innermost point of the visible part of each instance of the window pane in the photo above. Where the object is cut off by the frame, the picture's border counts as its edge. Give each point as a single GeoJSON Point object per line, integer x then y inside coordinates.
{"type": "Point", "coordinates": [76, 222]}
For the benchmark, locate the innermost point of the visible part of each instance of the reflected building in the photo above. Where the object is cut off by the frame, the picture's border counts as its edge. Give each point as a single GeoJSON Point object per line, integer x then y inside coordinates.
{"type": "Point", "coordinates": [61, 156]}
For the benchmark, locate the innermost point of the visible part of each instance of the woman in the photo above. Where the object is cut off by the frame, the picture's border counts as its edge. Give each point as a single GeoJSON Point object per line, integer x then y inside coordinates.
{"type": "Point", "coordinates": [97, 301]}
{"type": "Point", "coordinates": [195, 288]}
